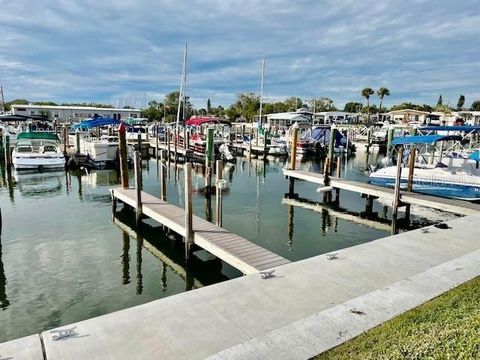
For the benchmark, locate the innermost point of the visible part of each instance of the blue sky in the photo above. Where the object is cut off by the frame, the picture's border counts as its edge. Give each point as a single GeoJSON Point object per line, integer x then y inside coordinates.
{"type": "Point", "coordinates": [116, 51]}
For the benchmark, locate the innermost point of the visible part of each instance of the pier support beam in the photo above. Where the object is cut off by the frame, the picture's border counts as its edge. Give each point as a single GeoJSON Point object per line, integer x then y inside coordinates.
{"type": "Point", "coordinates": [411, 168]}
{"type": "Point", "coordinates": [123, 157]}
{"type": "Point", "coordinates": [219, 187]}
{"type": "Point", "coordinates": [163, 176]}
{"type": "Point", "coordinates": [188, 212]}
{"type": "Point", "coordinates": [396, 196]}
{"type": "Point", "coordinates": [138, 186]}
{"type": "Point", "coordinates": [293, 164]}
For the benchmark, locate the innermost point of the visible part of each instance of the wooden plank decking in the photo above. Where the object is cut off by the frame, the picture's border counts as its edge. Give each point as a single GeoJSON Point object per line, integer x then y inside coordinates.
{"type": "Point", "coordinates": [451, 205]}
{"type": "Point", "coordinates": [233, 249]}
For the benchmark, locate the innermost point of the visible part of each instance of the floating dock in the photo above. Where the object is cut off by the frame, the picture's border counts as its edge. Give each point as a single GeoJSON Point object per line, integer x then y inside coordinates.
{"type": "Point", "coordinates": [459, 207]}
{"type": "Point", "coordinates": [242, 254]}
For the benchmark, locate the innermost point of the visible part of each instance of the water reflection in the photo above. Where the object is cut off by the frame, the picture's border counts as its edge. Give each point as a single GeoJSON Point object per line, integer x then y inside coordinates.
{"type": "Point", "coordinates": [4, 303]}
{"type": "Point", "coordinates": [125, 258]}
{"type": "Point", "coordinates": [169, 250]}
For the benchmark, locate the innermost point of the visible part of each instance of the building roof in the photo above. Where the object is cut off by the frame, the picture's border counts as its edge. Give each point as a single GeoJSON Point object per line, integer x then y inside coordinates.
{"type": "Point", "coordinates": [288, 116]}
{"type": "Point", "coordinates": [408, 111]}
{"type": "Point", "coordinates": [55, 107]}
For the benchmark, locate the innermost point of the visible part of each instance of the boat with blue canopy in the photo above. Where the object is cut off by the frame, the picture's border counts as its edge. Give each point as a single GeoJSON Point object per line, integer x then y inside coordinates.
{"type": "Point", "coordinates": [434, 173]}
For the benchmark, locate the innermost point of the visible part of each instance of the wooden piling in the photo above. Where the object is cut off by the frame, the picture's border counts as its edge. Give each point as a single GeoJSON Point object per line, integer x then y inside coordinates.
{"type": "Point", "coordinates": [218, 197]}
{"type": "Point", "coordinates": [369, 138]}
{"type": "Point", "coordinates": [123, 157]}
{"type": "Point", "coordinates": [396, 196]}
{"type": "Point", "coordinates": [250, 144]}
{"type": "Point", "coordinates": [138, 186]}
{"type": "Point", "coordinates": [167, 142]}
{"type": "Point", "coordinates": [139, 142]}
{"type": "Point", "coordinates": [175, 144]}
{"type": "Point", "coordinates": [293, 152]}
{"type": "Point", "coordinates": [208, 160]}
{"type": "Point", "coordinates": [8, 158]}
{"type": "Point", "coordinates": [389, 142]}
{"type": "Point", "coordinates": [77, 142]}
{"type": "Point", "coordinates": [65, 137]}
{"type": "Point", "coordinates": [188, 211]}
{"type": "Point", "coordinates": [2, 149]}
{"type": "Point", "coordinates": [339, 174]}
{"type": "Point", "coordinates": [163, 176]}
{"type": "Point", "coordinates": [331, 147]}
{"type": "Point", "coordinates": [265, 144]}
{"type": "Point", "coordinates": [411, 168]}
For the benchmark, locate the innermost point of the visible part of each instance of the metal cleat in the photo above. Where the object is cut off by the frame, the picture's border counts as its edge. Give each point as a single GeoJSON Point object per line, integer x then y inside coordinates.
{"type": "Point", "coordinates": [63, 333]}
{"type": "Point", "coordinates": [267, 274]}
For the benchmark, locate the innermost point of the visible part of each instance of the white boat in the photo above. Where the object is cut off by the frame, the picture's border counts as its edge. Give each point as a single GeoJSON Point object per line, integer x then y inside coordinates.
{"type": "Point", "coordinates": [460, 180]}
{"type": "Point", "coordinates": [37, 151]}
{"type": "Point", "coordinates": [100, 151]}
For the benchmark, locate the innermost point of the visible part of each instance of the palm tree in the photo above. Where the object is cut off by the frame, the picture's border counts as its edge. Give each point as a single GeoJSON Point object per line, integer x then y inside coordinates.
{"type": "Point", "coordinates": [382, 92]}
{"type": "Point", "coordinates": [366, 94]}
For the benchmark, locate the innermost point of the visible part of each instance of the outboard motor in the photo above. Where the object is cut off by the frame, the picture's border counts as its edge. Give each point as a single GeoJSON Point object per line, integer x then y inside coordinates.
{"type": "Point", "coordinates": [225, 152]}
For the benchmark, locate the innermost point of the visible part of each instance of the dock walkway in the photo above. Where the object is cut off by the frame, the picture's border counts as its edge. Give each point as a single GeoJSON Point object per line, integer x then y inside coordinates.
{"type": "Point", "coordinates": [451, 205]}
{"type": "Point", "coordinates": [308, 307]}
{"type": "Point", "coordinates": [233, 249]}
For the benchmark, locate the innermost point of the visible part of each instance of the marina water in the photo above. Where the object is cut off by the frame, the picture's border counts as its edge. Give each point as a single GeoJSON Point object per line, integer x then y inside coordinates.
{"type": "Point", "coordinates": [63, 258]}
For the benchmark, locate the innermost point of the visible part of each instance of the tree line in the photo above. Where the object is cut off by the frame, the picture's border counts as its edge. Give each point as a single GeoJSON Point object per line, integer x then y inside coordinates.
{"type": "Point", "coordinates": [247, 105]}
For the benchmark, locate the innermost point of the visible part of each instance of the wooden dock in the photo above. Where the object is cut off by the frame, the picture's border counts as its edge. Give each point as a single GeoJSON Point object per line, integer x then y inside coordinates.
{"type": "Point", "coordinates": [233, 249]}
{"type": "Point", "coordinates": [450, 205]}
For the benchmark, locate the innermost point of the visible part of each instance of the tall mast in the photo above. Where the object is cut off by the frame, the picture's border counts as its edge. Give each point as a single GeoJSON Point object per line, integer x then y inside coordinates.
{"type": "Point", "coordinates": [180, 94]}
{"type": "Point", "coordinates": [3, 100]}
{"type": "Point", "coordinates": [185, 82]}
{"type": "Point", "coordinates": [261, 92]}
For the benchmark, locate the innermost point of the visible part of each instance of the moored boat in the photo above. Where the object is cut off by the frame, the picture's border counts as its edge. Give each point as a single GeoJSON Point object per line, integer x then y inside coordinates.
{"type": "Point", "coordinates": [37, 150]}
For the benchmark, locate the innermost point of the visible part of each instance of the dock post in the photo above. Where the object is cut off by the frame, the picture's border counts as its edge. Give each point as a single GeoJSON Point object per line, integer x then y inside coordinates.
{"type": "Point", "coordinates": [389, 142]}
{"type": "Point", "coordinates": [293, 163]}
{"type": "Point", "coordinates": [2, 150]}
{"type": "Point", "coordinates": [208, 161]}
{"type": "Point", "coordinates": [339, 173]}
{"type": "Point", "coordinates": [77, 142]}
{"type": "Point", "coordinates": [411, 168]}
{"type": "Point", "coordinates": [369, 139]}
{"type": "Point", "coordinates": [218, 185]}
{"type": "Point", "coordinates": [123, 157]}
{"type": "Point", "coordinates": [65, 137]}
{"type": "Point", "coordinates": [8, 159]}
{"type": "Point", "coordinates": [250, 144]}
{"type": "Point", "coordinates": [188, 211]}
{"type": "Point", "coordinates": [175, 145]}
{"type": "Point", "coordinates": [187, 141]}
{"type": "Point", "coordinates": [156, 145]}
{"type": "Point", "coordinates": [331, 148]}
{"type": "Point", "coordinates": [167, 142]}
{"type": "Point", "coordinates": [265, 133]}
{"type": "Point", "coordinates": [138, 186]}
{"type": "Point", "coordinates": [163, 177]}
{"type": "Point", "coordinates": [139, 142]}
{"type": "Point", "coordinates": [396, 194]}
{"type": "Point", "coordinates": [256, 136]}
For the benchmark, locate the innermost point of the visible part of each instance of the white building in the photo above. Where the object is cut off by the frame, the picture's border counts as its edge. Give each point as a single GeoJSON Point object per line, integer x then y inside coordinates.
{"type": "Point", "coordinates": [74, 113]}
{"type": "Point", "coordinates": [334, 117]}
{"type": "Point", "coordinates": [286, 119]}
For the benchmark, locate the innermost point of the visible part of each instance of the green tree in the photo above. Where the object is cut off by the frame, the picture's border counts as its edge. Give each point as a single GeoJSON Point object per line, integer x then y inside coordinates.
{"type": "Point", "coordinates": [366, 92]}
{"type": "Point", "coordinates": [461, 102]}
{"type": "Point", "coordinates": [209, 107]}
{"type": "Point", "coordinates": [440, 101]}
{"type": "Point", "coordinates": [322, 104]}
{"type": "Point", "coordinates": [171, 107]}
{"type": "Point", "coordinates": [293, 103]}
{"type": "Point", "coordinates": [353, 107]}
{"type": "Point", "coordinates": [246, 106]}
{"type": "Point", "coordinates": [475, 106]}
{"type": "Point", "coordinates": [154, 111]}
{"type": "Point", "coordinates": [46, 103]}
{"type": "Point", "coordinates": [382, 92]}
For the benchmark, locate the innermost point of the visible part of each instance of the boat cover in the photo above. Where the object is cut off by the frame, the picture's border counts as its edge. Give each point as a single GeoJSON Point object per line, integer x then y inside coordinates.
{"type": "Point", "coordinates": [94, 122]}
{"type": "Point", "coordinates": [37, 136]}
{"type": "Point", "coordinates": [466, 128]}
{"type": "Point", "coordinates": [321, 133]}
{"type": "Point", "coordinates": [423, 139]}
{"type": "Point", "coordinates": [197, 121]}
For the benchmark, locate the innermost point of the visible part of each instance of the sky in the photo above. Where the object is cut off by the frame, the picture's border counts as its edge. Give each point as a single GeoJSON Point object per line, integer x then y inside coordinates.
{"type": "Point", "coordinates": [125, 51]}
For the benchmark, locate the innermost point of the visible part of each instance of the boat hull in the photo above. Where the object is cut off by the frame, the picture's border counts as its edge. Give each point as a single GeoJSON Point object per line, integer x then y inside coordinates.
{"type": "Point", "coordinates": [430, 186]}
{"type": "Point", "coordinates": [42, 163]}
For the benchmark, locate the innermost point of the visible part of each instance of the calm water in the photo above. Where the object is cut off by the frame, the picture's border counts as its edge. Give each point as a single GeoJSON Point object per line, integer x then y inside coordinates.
{"type": "Point", "coordinates": [63, 259]}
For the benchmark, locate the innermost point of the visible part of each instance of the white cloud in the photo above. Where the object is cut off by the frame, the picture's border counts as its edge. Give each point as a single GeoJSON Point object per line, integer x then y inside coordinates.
{"type": "Point", "coordinates": [74, 50]}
